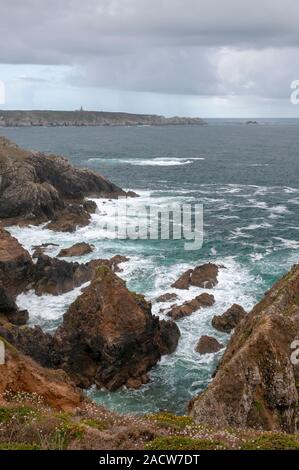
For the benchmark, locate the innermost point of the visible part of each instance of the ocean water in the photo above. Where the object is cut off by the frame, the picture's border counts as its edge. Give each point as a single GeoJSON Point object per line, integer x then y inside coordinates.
{"type": "Point", "coordinates": [245, 176]}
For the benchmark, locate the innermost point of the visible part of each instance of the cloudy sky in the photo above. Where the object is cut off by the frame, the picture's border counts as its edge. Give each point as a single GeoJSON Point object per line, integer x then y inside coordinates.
{"type": "Point", "coordinates": [210, 58]}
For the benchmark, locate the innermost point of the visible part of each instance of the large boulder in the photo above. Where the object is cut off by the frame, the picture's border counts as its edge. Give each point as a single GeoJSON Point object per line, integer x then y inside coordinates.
{"type": "Point", "coordinates": [229, 319]}
{"type": "Point", "coordinates": [109, 336]}
{"type": "Point", "coordinates": [79, 249]}
{"type": "Point", "coordinates": [256, 383]}
{"type": "Point", "coordinates": [187, 308]}
{"type": "Point", "coordinates": [205, 276]}
{"type": "Point", "coordinates": [208, 345]}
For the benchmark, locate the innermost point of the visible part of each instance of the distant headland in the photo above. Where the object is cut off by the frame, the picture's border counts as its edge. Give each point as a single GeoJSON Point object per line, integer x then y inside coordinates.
{"type": "Point", "coordinates": [89, 118]}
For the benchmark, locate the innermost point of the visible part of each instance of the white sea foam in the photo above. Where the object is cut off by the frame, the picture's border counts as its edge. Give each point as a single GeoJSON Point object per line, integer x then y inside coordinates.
{"type": "Point", "coordinates": [158, 161]}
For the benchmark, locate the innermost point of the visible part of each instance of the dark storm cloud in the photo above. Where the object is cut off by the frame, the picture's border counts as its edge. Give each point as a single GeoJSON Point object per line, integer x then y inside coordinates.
{"type": "Point", "coordinates": [174, 46]}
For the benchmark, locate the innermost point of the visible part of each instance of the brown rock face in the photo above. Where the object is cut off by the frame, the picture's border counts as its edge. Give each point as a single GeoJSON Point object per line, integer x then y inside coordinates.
{"type": "Point", "coordinates": [256, 381]}
{"type": "Point", "coordinates": [109, 336]}
{"type": "Point", "coordinates": [79, 249]}
{"type": "Point", "coordinates": [202, 276]}
{"type": "Point", "coordinates": [15, 264]}
{"type": "Point", "coordinates": [187, 308]}
{"type": "Point", "coordinates": [208, 345]}
{"type": "Point", "coordinates": [230, 319]}
{"type": "Point", "coordinates": [22, 374]}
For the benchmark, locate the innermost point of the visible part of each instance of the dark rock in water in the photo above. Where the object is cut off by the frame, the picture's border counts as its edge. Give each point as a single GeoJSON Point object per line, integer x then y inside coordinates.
{"type": "Point", "coordinates": [54, 276]}
{"type": "Point", "coordinates": [229, 319]}
{"type": "Point", "coordinates": [187, 308]}
{"type": "Point", "coordinates": [170, 335]}
{"type": "Point", "coordinates": [15, 264]}
{"type": "Point", "coordinates": [204, 276]}
{"type": "Point", "coordinates": [256, 384]}
{"type": "Point", "coordinates": [79, 249]}
{"type": "Point", "coordinates": [168, 297]}
{"type": "Point", "coordinates": [91, 206]}
{"type": "Point", "coordinates": [69, 219]}
{"type": "Point", "coordinates": [208, 345]}
{"type": "Point", "coordinates": [109, 336]}
{"type": "Point", "coordinates": [36, 187]}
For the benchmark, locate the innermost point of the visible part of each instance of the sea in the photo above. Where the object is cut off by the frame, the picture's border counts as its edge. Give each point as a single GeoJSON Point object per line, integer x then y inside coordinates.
{"type": "Point", "coordinates": [246, 177]}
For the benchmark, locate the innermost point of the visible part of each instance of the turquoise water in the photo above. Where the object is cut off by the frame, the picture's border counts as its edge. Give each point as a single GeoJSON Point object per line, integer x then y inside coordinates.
{"type": "Point", "coordinates": [247, 179]}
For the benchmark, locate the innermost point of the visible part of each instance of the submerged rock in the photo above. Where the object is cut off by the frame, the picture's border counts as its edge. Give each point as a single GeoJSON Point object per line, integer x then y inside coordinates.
{"type": "Point", "coordinates": [256, 382]}
{"type": "Point", "coordinates": [208, 345]}
{"type": "Point", "coordinates": [187, 308]}
{"type": "Point", "coordinates": [109, 336]}
{"type": "Point", "coordinates": [229, 319]}
{"type": "Point", "coordinates": [79, 249]}
{"type": "Point", "coordinates": [205, 276]}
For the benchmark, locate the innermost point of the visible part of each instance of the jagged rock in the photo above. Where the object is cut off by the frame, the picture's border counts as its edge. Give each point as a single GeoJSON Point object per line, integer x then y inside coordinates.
{"type": "Point", "coordinates": [202, 276]}
{"type": "Point", "coordinates": [22, 374]}
{"type": "Point", "coordinates": [109, 336]}
{"type": "Point", "coordinates": [79, 249]}
{"type": "Point", "coordinates": [15, 264]}
{"type": "Point", "coordinates": [168, 297]}
{"type": "Point", "coordinates": [229, 319]}
{"type": "Point", "coordinates": [256, 382]}
{"type": "Point", "coordinates": [169, 336]}
{"type": "Point", "coordinates": [208, 345]}
{"type": "Point", "coordinates": [54, 276]}
{"type": "Point", "coordinates": [36, 187]}
{"type": "Point", "coordinates": [187, 308]}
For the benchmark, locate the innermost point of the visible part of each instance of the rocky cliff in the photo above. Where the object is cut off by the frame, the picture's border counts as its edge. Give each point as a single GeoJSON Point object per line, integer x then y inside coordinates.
{"type": "Point", "coordinates": [89, 118]}
{"type": "Point", "coordinates": [35, 187]}
{"type": "Point", "coordinates": [256, 384]}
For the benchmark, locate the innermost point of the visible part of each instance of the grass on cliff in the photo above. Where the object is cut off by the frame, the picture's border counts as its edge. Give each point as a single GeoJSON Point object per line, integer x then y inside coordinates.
{"type": "Point", "coordinates": [26, 423]}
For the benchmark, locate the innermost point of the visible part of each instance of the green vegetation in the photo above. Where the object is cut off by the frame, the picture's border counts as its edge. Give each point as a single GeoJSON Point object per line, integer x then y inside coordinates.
{"type": "Point", "coordinates": [95, 423]}
{"type": "Point", "coordinates": [273, 442]}
{"type": "Point", "coordinates": [169, 420]}
{"type": "Point", "coordinates": [184, 443]}
{"type": "Point", "coordinates": [18, 446]}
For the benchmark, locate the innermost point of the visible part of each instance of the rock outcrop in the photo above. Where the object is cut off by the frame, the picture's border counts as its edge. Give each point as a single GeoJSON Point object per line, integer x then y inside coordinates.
{"type": "Point", "coordinates": [229, 319]}
{"type": "Point", "coordinates": [208, 345]}
{"type": "Point", "coordinates": [36, 187]}
{"type": "Point", "coordinates": [15, 264]}
{"type": "Point", "coordinates": [205, 276]}
{"type": "Point", "coordinates": [79, 249]}
{"type": "Point", "coordinates": [256, 383]}
{"type": "Point", "coordinates": [109, 336]}
{"type": "Point", "coordinates": [187, 308]}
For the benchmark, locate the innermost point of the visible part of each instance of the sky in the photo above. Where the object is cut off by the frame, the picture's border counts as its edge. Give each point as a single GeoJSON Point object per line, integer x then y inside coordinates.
{"type": "Point", "coordinates": [206, 58]}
